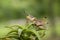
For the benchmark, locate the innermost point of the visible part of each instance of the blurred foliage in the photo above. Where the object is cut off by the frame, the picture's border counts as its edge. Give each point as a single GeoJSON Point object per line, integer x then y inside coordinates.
{"type": "Point", "coordinates": [12, 9]}
{"type": "Point", "coordinates": [16, 9]}
{"type": "Point", "coordinates": [30, 31]}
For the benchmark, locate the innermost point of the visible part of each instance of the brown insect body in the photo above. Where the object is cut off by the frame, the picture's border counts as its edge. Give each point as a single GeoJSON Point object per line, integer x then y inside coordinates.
{"type": "Point", "coordinates": [38, 23]}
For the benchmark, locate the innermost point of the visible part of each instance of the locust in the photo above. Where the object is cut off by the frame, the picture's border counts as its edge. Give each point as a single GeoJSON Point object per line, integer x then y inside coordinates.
{"type": "Point", "coordinates": [39, 23]}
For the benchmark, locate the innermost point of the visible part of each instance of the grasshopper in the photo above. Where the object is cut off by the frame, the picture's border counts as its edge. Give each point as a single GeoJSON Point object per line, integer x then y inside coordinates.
{"type": "Point", "coordinates": [37, 22]}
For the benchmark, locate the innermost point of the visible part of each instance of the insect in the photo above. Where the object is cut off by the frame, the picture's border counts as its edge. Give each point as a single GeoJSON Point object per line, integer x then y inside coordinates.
{"type": "Point", "coordinates": [37, 22]}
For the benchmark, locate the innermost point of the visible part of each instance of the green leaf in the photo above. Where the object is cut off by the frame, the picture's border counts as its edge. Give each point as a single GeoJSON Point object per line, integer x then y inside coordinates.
{"type": "Point", "coordinates": [37, 34]}
{"type": "Point", "coordinates": [4, 32]}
